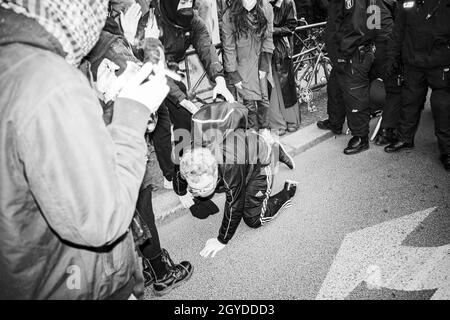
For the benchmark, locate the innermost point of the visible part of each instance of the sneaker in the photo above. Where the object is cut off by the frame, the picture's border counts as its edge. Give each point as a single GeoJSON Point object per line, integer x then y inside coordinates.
{"type": "Point", "coordinates": [291, 188]}
{"type": "Point", "coordinates": [285, 157]}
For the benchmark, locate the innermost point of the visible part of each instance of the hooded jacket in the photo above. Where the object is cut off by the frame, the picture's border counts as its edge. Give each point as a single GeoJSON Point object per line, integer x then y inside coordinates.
{"type": "Point", "coordinates": [177, 39]}
{"type": "Point", "coordinates": [69, 185]}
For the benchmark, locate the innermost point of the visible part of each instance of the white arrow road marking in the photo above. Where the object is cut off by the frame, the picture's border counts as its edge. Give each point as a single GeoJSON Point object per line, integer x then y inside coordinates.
{"type": "Point", "coordinates": [375, 255]}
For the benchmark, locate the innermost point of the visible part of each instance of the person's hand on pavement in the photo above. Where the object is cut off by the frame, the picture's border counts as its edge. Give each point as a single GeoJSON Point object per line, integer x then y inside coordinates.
{"type": "Point", "coordinates": [130, 20]}
{"type": "Point", "coordinates": [189, 106]}
{"type": "Point", "coordinates": [187, 201]}
{"type": "Point", "coordinates": [151, 93]}
{"type": "Point", "coordinates": [221, 88]}
{"type": "Point", "coordinates": [212, 247]}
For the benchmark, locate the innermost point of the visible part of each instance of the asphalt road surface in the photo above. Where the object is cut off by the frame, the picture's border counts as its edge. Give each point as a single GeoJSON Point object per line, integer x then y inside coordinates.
{"type": "Point", "coordinates": [370, 226]}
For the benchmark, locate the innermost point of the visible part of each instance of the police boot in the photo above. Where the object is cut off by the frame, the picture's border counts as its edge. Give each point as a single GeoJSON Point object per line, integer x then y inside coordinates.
{"type": "Point", "coordinates": [399, 145]}
{"type": "Point", "coordinates": [170, 278]}
{"type": "Point", "coordinates": [445, 159]}
{"type": "Point", "coordinates": [385, 137]}
{"type": "Point", "coordinates": [326, 125]}
{"type": "Point", "coordinates": [357, 145]}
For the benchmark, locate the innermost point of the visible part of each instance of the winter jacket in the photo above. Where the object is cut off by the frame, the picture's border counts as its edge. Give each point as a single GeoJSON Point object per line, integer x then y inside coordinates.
{"type": "Point", "coordinates": [69, 185]}
{"type": "Point", "coordinates": [421, 33]}
{"type": "Point", "coordinates": [245, 56]}
{"type": "Point", "coordinates": [177, 40]}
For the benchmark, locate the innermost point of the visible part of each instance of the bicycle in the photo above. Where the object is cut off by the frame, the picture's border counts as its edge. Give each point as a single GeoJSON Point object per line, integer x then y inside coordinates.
{"type": "Point", "coordinates": [312, 67]}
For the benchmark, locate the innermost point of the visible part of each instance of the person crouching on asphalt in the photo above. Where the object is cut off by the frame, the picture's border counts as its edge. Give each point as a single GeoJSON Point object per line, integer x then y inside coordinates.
{"type": "Point", "coordinates": [242, 166]}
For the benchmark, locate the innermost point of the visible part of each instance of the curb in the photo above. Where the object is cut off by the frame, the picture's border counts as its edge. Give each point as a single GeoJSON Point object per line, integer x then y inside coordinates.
{"type": "Point", "coordinates": [167, 207]}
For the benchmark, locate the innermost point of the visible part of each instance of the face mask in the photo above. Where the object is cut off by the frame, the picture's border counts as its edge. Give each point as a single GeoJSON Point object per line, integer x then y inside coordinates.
{"type": "Point", "coordinates": [249, 4]}
{"type": "Point", "coordinates": [185, 13]}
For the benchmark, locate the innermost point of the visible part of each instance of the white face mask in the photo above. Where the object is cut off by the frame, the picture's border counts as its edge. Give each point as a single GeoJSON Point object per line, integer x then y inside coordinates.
{"type": "Point", "coordinates": [249, 4]}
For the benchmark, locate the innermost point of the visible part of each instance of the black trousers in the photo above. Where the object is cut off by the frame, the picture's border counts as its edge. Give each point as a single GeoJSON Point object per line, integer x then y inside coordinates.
{"type": "Point", "coordinates": [162, 141]}
{"type": "Point", "coordinates": [391, 110]}
{"type": "Point", "coordinates": [260, 207]}
{"type": "Point", "coordinates": [152, 248]}
{"type": "Point", "coordinates": [414, 94]}
{"type": "Point", "coordinates": [348, 94]}
{"type": "Point", "coordinates": [258, 111]}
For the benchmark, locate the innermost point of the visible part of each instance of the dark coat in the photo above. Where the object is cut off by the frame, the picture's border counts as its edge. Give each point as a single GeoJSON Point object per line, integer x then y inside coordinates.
{"type": "Point", "coordinates": [285, 22]}
{"type": "Point", "coordinates": [177, 40]}
{"type": "Point", "coordinates": [422, 33]}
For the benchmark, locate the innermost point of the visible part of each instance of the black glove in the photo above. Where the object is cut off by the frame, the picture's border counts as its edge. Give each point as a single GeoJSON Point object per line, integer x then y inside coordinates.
{"type": "Point", "coordinates": [204, 209]}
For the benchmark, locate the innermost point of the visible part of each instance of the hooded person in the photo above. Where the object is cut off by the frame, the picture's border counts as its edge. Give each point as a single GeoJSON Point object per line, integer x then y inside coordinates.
{"type": "Point", "coordinates": [69, 183]}
{"type": "Point", "coordinates": [182, 27]}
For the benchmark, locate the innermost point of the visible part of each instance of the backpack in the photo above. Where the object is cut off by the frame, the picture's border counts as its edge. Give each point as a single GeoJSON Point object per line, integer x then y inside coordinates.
{"type": "Point", "coordinates": [213, 122]}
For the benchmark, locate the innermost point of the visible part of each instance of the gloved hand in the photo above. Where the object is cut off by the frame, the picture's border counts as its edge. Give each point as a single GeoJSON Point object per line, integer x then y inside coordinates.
{"type": "Point", "coordinates": [212, 247]}
{"type": "Point", "coordinates": [189, 106]}
{"type": "Point", "coordinates": [151, 93]}
{"type": "Point", "coordinates": [221, 88]}
{"type": "Point", "coordinates": [130, 20]}
{"type": "Point", "coordinates": [239, 85]}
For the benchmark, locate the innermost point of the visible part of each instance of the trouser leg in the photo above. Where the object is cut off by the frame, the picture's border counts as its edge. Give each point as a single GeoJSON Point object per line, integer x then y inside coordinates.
{"type": "Point", "coordinates": [260, 206]}
{"type": "Point", "coordinates": [251, 106]}
{"type": "Point", "coordinates": [151, 248]}
{"type": "Point", "coordinates": [263, 105]}
{"type": "Point", "coordinates": [162, 141]}
{"type": "Point", "coordinates": [414, 95]}
{"type": "Point", "coordinates": [439, 81]}
{"type": "Point", "coordinates": [336, 105]}
{"type": "Point", "coordinates": [391, 111]}
{"type": "Point", "coordinates": [355, 86]}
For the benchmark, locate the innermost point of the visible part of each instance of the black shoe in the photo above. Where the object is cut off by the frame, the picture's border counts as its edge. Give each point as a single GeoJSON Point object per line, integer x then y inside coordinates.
{"type": "Point", "coordinates": [291, 188]}
{"type": "Point", "coordinates": [445, 159]}
{"type": "Point", "coordinates": [176, 275]}
{"type": "Point", "coordinates": [357, 145]}
{"type": "Point", "coordinates": [399, 145]}
{"type": "Point", "coordinates": [284, 157]}
{"type": "Point", "coordinates": [385, 137]}
{"type": "Point", "coordinates": [326, 125]}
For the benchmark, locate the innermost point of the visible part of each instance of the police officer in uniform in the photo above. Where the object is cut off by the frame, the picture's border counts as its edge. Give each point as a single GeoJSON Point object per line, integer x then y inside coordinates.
{"type": "Point", "coordinates": [350, 41]}
{"type": "Point", "coordinates": [393, 81]}
{"type": "Point", "coordinates": [422, 37]}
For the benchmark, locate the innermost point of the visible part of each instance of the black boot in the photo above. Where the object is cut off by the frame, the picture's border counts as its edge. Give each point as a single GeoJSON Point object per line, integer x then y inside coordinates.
{"type": "Point", "coordinates": [291, 188]}
{"type": "Point", "coordinates": [175, 275]}
{"type": "Point", "coordinates": [445, 159]}
{"type": "Point", "coordinates": [357, 145]}
{"type": "Point", "coordinates": [399, 145]}
{"type": "Point", "coordinates": [326, 125]}
{"type": "Point", "coordinates": [385, 137]}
